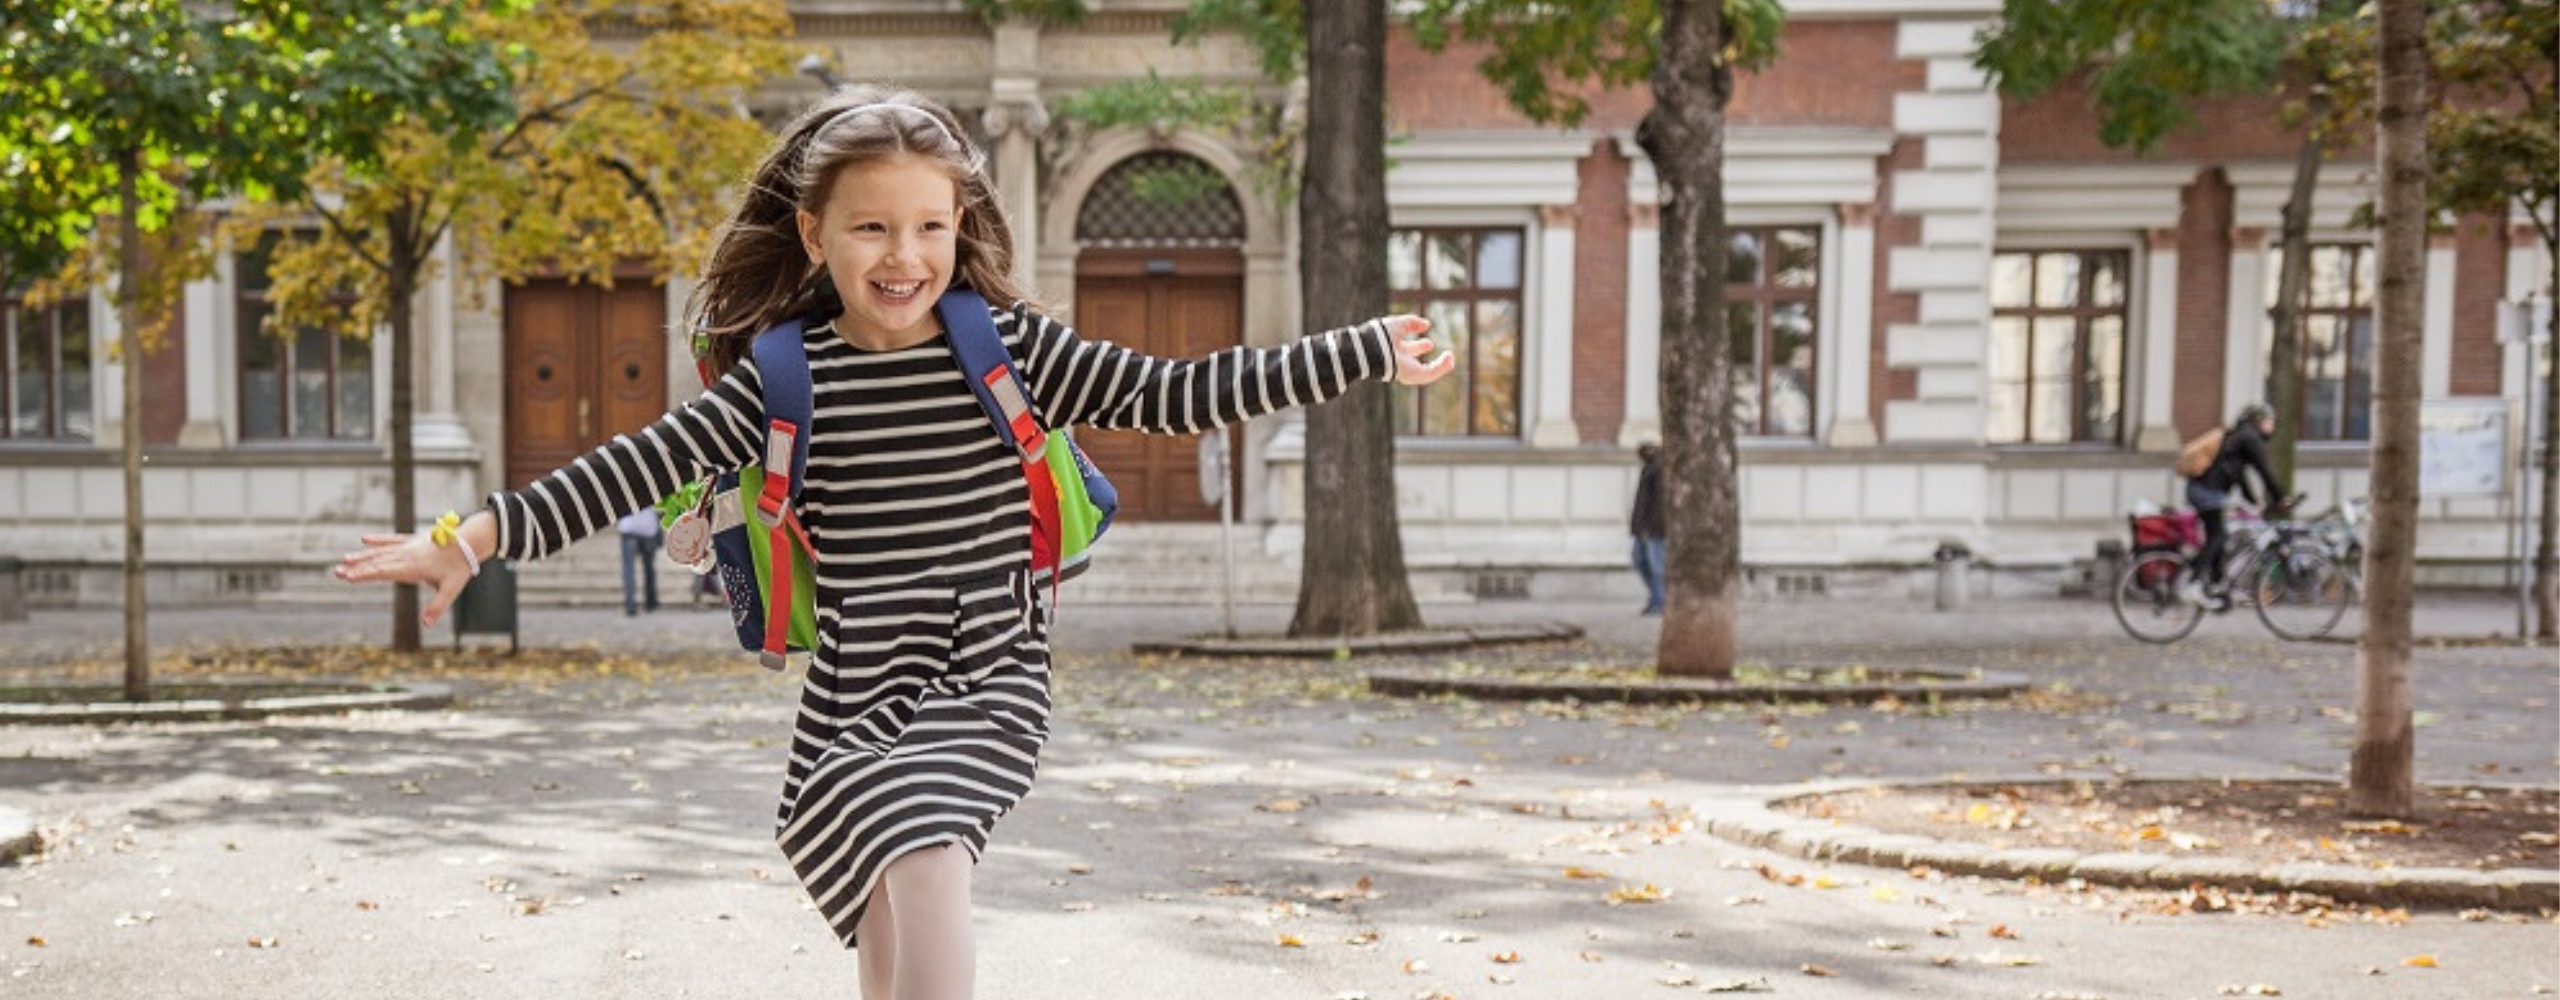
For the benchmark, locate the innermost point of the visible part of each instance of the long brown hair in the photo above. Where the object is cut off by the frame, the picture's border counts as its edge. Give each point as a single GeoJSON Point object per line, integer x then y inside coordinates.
{"type": "Point", "coordinates": [759, 275]}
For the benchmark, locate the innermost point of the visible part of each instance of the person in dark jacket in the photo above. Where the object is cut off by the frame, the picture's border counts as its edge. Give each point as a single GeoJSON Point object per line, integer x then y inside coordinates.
{"type": "Point", "coordinates": [1645, 523]}
{"type": "Point", "coordinates": [2244, 448]}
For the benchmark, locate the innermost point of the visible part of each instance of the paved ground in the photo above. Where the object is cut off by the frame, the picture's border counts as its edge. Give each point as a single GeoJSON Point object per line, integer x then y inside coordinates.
{"type": "Point", "coordinates": [1245, 830]}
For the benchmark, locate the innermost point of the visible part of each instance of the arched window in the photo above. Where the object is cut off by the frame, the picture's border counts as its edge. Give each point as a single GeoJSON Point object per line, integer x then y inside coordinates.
{"type": "Point", "coordinates": [1161, 199]}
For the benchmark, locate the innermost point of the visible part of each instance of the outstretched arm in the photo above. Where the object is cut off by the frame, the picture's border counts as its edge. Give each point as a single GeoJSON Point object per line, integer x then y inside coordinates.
{"type": "Point", "coordinates": [715, 431]}
{"type": "Point", "coordinates": [1078, 381]}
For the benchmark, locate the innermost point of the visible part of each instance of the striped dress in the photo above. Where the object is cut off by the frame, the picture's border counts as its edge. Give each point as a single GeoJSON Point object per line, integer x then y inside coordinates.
{"type": "Point", "coordinates": [927, 701]}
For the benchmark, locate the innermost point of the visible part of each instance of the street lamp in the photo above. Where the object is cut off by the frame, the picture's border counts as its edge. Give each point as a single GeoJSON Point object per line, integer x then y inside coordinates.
{"type": "Point", "coordinates": [816, 67]}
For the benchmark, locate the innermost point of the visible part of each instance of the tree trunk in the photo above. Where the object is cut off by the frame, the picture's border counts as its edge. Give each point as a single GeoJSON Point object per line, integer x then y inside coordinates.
{"type": "Point", "coordinates": [405, 260]}
{"type": "Point", "coordinates": [1353, 579]}
{"type": "Point", "coordinates": [2546, 563]}
{"type": "Point", "coordinates": [137, 633]}
{"type": "Point", "coordinates": [2381, 780]}
{"type": "Point", "coordinates": [2293, 280]}
{"type": "Point", "coordinates": [1701, 481]}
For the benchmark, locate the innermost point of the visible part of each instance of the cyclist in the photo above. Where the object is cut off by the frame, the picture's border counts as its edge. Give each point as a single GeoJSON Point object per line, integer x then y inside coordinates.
{"type": "Point", "coordinates": [2244, 447]}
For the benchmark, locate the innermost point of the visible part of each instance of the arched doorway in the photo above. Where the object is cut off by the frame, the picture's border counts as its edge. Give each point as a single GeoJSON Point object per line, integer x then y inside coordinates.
{"type": "Point", "coordinates": [1160, 269]}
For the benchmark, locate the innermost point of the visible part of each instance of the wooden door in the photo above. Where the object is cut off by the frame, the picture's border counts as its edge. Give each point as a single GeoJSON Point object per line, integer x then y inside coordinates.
{"type": "Point", "coordinates": [1167, 315]}
{"type": "Point", "coordinates": [583, 364]}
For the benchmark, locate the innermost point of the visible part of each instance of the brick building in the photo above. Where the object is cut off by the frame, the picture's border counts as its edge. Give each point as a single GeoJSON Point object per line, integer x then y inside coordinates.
{"type": "Point", "coordinates": [1958, 318]}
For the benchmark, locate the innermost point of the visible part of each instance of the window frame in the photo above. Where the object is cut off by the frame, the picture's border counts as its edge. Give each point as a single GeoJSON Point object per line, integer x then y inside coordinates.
{"type": "Point", "coordinates": [2362, 257]}
{"type": "Point", "coordinates": [1413, 425]}
{"type": "Point", "coordinates": [1764, 294]}
{"type": "Point", "coordinates": [249, 287]}
{"type": "Point", "coordinates": [2082, 315]}
{"type": "Point", "coordinates": [13, 306]}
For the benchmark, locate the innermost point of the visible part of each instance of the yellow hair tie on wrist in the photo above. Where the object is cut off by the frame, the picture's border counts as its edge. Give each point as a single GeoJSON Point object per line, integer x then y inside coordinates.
{"type": "Point", "coordinates": [443, 532]}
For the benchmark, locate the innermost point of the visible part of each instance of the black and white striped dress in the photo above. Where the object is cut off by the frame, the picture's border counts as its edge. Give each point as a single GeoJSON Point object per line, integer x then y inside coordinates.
{"type": "Point", "coordinates": [926, 704]}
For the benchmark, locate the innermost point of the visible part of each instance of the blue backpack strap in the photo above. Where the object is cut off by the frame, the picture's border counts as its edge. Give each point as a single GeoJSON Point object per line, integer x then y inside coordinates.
{"type": "Point", "coordinates": [782, 365]}
{"type": "Point", "coordinates": [989, 368]}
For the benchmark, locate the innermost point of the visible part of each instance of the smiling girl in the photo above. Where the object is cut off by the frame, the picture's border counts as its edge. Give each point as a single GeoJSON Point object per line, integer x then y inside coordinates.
{"type": "Point", "coordinates": [926, 704]}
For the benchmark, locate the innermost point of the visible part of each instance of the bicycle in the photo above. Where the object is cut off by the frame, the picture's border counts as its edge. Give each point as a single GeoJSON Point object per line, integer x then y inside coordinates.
{"type": "Point", "coordinates": [2281, 567]}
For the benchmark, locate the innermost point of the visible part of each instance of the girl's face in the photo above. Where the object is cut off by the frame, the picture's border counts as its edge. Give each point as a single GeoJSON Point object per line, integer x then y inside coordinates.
{"type": "Point", "coordinates": [889, 238]}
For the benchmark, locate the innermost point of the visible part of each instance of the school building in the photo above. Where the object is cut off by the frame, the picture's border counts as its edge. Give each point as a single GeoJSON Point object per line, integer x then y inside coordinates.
{"type": "Point", "coordinates": [1957, 318]}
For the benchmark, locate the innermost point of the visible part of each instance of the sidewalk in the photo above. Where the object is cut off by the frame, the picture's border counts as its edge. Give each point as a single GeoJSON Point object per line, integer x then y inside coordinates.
{"type": "Point", "coordinates": [1246, 830]}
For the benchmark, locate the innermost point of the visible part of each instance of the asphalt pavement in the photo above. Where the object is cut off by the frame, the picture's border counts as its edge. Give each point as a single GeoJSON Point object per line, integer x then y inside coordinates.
{"type": "Point", "coordinates": [1236, 829]}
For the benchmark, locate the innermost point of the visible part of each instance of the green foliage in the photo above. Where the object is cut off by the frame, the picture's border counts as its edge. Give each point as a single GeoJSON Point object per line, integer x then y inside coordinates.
{"type": "Point", "coordinates": [1546, 55]}
{"type": "Point", "coordinates": [1276, 29]}
{"type": "Point", "coordinates": [2493, 125]}
{"type": "Point", "coordinates": [995, 12]}
{"type": "Point", "coordinates": [1161, 105]}
{"type": "Point", "coordinates": [2147, 61]}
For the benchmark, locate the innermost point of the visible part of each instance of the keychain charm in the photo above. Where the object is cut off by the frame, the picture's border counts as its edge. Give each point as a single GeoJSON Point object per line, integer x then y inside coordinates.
{"type": "Point", "coordinates": [689, 541]}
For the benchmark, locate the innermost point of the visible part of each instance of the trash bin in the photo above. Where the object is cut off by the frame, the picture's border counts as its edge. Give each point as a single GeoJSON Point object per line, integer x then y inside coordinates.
{"type": "Point", "coordinates": [1954, 561]}
{"type": "Point", "coordinates": [487, 605]}
{"type": "Point", "coordinates": [13, 589]}
{"type": "Point", "coordinates": [2105, 567]}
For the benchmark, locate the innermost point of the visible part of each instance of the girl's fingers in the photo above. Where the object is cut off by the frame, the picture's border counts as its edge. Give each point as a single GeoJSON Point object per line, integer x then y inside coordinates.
{"type": "Point", "coordinates": [446, 590]}
{"type": "Point", "coordinates": [1407, 326]}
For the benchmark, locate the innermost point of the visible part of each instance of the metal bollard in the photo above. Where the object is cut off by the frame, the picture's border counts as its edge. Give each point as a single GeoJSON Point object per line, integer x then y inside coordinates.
{"type": "Point", "coordinates": [1954, 561]}
{"type": "Point", "coordinates": [13, 589]}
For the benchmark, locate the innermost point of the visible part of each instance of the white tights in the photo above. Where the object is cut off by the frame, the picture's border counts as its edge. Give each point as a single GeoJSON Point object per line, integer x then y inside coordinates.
{"type": "Point", "coordinates": [916, 939]}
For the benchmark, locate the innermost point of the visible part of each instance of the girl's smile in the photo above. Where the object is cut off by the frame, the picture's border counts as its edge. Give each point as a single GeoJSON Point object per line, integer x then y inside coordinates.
{"type": "Point", "coordinates": [888, 237]}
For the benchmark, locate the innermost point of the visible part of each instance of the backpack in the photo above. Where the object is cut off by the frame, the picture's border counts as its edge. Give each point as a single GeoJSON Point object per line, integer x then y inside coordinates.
{"type": "Point", "coordinates": [774, 611]}
{"type": "Point", "coordinates": [2199, 452]}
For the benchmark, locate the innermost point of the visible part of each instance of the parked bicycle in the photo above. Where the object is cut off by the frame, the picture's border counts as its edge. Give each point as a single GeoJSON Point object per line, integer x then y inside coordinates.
{"type": "Point", "coordinates": [2280, 567]}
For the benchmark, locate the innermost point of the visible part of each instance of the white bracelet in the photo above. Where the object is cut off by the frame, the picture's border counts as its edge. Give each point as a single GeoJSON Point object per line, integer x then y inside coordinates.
{"type": "Point", "coordinates": [469, 557]}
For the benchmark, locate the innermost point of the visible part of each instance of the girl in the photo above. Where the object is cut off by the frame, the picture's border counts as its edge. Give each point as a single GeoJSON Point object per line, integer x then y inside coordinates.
{"type": "Point", "coordinates": [927, 701]}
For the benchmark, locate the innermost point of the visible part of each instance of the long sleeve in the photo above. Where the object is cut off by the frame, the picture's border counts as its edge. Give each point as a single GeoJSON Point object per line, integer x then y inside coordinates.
{"type": "Point", "coordinates": [716, 431]}
{"type": "Point", "coordinates": [1077, 381]}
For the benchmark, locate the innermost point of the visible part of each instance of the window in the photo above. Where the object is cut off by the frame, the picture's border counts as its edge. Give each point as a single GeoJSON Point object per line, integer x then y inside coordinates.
{"type": "Point", "coordinates": [2056, 372]}
{"type": "Point", "coordinates": [44, 370]}
{"type": "Point", "coordinates": [1467, 282]}
{"type": "Point", "coordinates": [2336, 352]}
{"type": "Point", "coordinates": [1772, 279]}
{"type": "Point", "coordinates": [299, 385]}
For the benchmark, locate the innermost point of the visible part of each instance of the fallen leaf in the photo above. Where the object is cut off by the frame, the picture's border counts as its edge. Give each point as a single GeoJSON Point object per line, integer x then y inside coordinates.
{"type": "Point", "coordinates": [1646, 893]}
{"type": "Point", "coordinates": [2252, 990]}
{"type": "Point", "coordinates": [262, 942]}
{"type": "Point", "coordinates": [2419, 961]}
{"type": "Point", "coordinates": [37, 942]}
{"type": "Point", "coordinates": [1287, 940]}
{"type": "Point", "coordinates": [1506, 957]}
{"type": "Point", "coordinates": [2003, 932]}
{"type": "Point", "coordinates": [1740, 986]}
{"type": "Point", "coordinates": [1282, 806]}
{"type": "Point", "coordinates": [1811, 969]}
{"type": "Point", "coordinates": [1416, 966]}
{"type": "Point", "coordinates": [1577, 871]}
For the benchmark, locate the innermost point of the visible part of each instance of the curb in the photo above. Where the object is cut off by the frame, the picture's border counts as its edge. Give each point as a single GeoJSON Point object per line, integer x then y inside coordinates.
{"type": "Point", "coordinates": [411, 695]}
{"type": "Point", "coordinates": [17, 835]}
{"type": "Point", "coordinates": [1940, 683]}
{"type": "Point", "coordinates": [1746, 817]}
{"type": "Point", "coordinates": [1432, 641]}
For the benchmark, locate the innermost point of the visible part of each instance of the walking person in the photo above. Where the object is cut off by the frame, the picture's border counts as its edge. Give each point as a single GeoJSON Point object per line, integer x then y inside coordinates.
{"type": "Point", "coordinates": [926, 703]}
{"type": "Point", "coordinates": [2243, 450]}
{"type": "Point", "coordinates": [1645, 523]}
{"type": "Point", "coordinates": [639, 546]}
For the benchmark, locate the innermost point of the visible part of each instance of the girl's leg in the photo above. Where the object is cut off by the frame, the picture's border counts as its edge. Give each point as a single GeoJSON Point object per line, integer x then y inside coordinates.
{"type": "Point", "coordinates": [937, 950]}
{"type": "Point", "coordinates": [877, 956]}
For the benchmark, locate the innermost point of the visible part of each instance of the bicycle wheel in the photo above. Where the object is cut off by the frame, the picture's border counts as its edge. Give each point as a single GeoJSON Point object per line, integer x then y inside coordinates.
{"type": "Point", "coordinates": [2301, 594]}
{"type": "Point", "coordinates": [2146, 599]}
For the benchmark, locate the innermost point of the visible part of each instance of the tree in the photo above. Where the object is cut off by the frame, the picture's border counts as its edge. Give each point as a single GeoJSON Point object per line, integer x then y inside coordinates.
{"type": "Point", "coordinates": [2381, 778]}
{"type": "Point", "coordinates": [609, 153]}
{"type": "Point", "coordinates": [1689, 51]}
{"type": "Point", "coordinates": [132, 112]}
{"type": "Point", "coordinates": [2493, 147]}
{"type": "Point", "coordinates": [2146, 64]}
{"type": "Point", "coordinates": [1354, 580]}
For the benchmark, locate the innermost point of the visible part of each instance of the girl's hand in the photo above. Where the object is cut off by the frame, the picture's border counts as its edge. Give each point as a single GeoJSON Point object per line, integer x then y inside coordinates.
{"type": "Point", "coordinates": [1411, 346]}
{"type": "Point", "coordinates": [410, 559]}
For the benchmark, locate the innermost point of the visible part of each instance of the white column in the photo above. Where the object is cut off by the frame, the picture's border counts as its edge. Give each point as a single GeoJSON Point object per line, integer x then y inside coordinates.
{"type": "Point", "coordinates": [205, 332]}
{"type": "Point", "coordinates": [1847, 337]}
{"type": "Point", "coordinates": [106, 349]}
{"type": "Point", "coordinates": [438, 430]}
{"type": "Point", "coordinates": [1552, 426]}
{"type": "Point", "coordinates": [1013, 124]}
{"type": "Point", "coordinates": [2156, 345]}
{"type": "Point", "coordinates": [1954, 194]}
{"type": "Point", "coordinates": [2244, 345]}
{"type": "Point", "coordinates": [2528, 274]}
{"type": "Point", "coordinates": [1642, 420]}
{"type": "Point", "coordinates": [2436, 368]}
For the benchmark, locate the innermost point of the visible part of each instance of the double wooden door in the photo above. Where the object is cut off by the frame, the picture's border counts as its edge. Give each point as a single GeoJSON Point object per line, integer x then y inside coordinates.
{"type": "Point", "coordinates": [1184, 316]}
{"type": "Point", "coordinates": [584, 363]}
